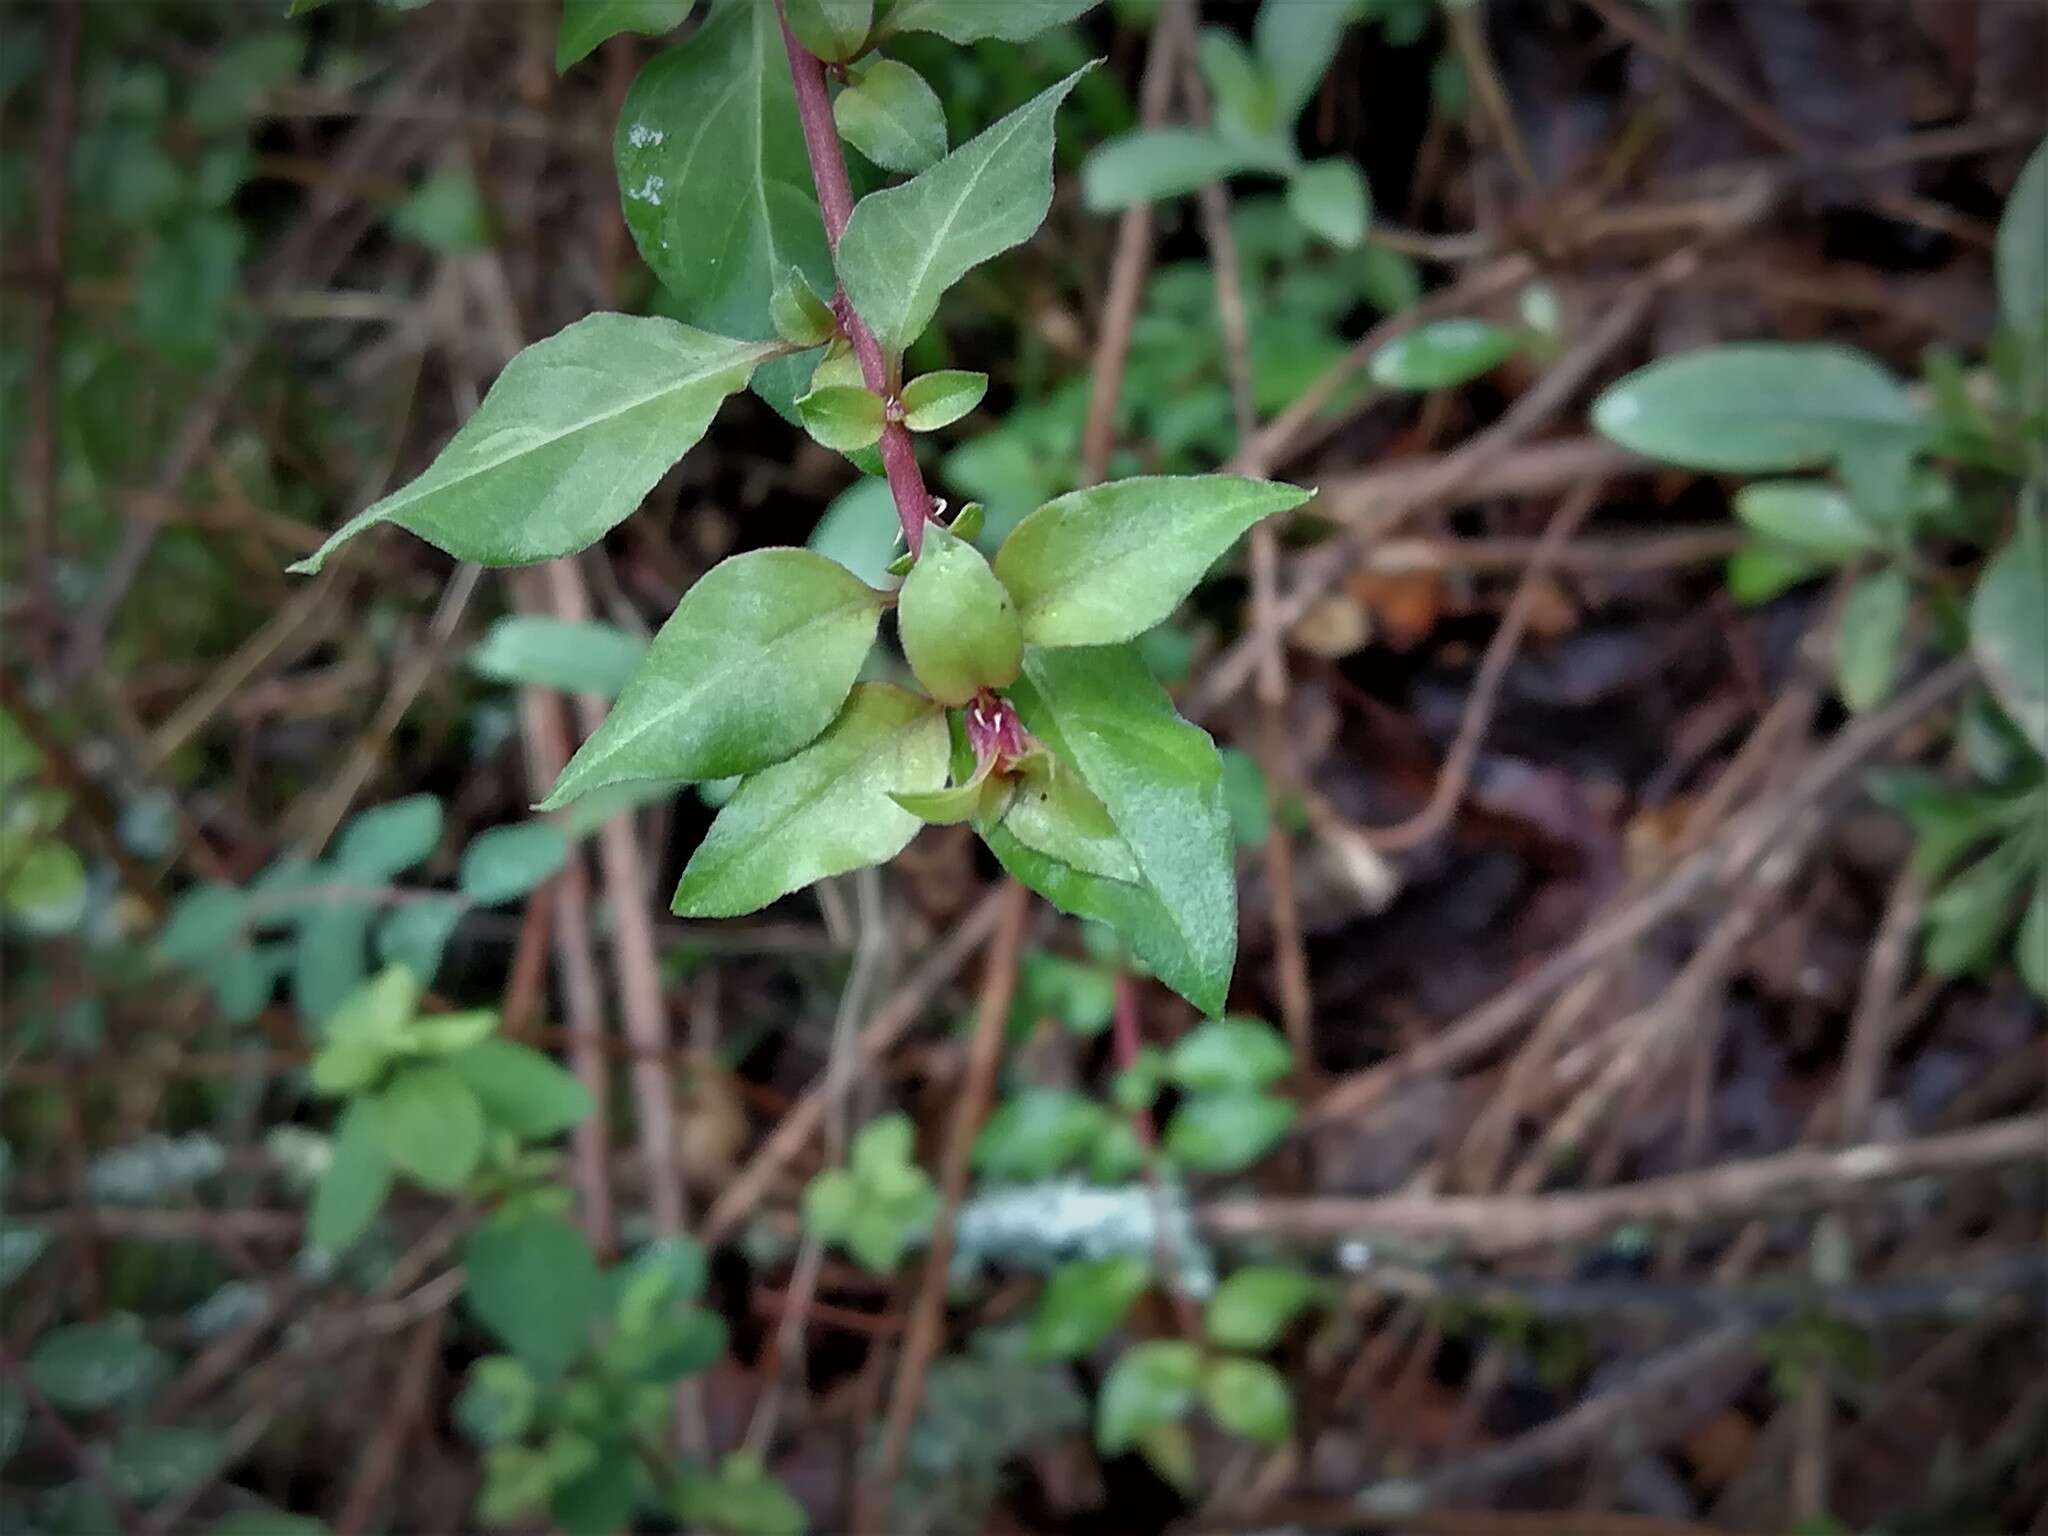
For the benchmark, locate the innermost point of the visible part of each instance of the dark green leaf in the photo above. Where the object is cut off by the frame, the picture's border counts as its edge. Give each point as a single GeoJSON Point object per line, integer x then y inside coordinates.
{"type": "Point", "coordinates": [1389, 279]}
{"type": "Point", "coordinates": [845, 417]}
{"type": "Point", "coordinates": [823, 812]}
{"type": "Point", "coordinates": [587, 23]}
{"type": "Point", "coordinates": [1106, 564]}
{"type": "Point", "coordinates": [599, 1500]}
{"type": "Point", "coordinates": [572, 435]}
{"type": "Point", "coordinates": [2030, 949]}
{"type": "Point", "coordinates": [1083, 1303]}
{"type": "Point", "coordinates": [89, 1366]}
{"type": "Point", "coordinates": [355, 1184]}
{"type": "Point", "coordinates": [149, 1462]}
{"type": "Point", "coordinates": [2009, 621]}
{"type": "Point", "coordinates": [1223, 1132]}
{"type": "Point", "coordinates": [1968, 917]}
{"type": "Point", "coordinates": [431, 1126]}
{"type": "Point", "coordinates": [956, 621]}
{"type": "Point", "coordinates": [1331, 198]}
{"type": "Point", "coordinates": [1442, 354]}
{"type": "Point", "coordinates": [505, 863]}
{"type": "Point", "coordinates": [576, 656]}
{"type": "Point", "coordinates": [1249, 1398]}
{"type": "Point", "coordinates": [832, 29]}
{"type": "Point", "coordinates": [1037, 1133]}
{"type": "Point", "coordinates": [203, 921]}
{"type": "Point", "coordinates": [1758, 408]}
{"type": "Point", "coordinates": [533, 1283]}
{"type": "Point", "coordinates": [2022, 255]}
{"type": "Point", "coordinates": [1759, 571]}
{"type": "Point", "coordinates": [1161, 781]}
{"type": "Point", "coordinates": [330, 959]}
{"type": "Point", "coordinates": [940, 399]}
{"type": "Point", "coordinates": [906, 246]}
{"type": "Point", "coordinates": [1252, 1308]}
{"type": "Point", "coordinates": [520, 1089]}
{"type": "Point", "coordinates": [1151, 1383]}
{"type": "Point", "coordinates": [756, 660]}
{"type": "Point", "coordinates": [890, 115]}
{"type": "Point", "coordinates": [715, 183]}
{"type": "Point", "coordinates": [1230, 1053]}
{"type": "Point", "coordinates": [1873, 631]}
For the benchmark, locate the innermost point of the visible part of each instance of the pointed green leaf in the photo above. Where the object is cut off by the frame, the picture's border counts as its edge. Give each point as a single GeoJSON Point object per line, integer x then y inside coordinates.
{"type": "Point", "coordinates": [1083, 1303]}
{"type": "Point", "coordinates": [1758, 407]}
{"type": "Point", "coordinates": [890, 115]}
{"type": "Point", "coordinates": [940, 399]}
{"type": "Point", "coordinates": [506, 863]}
{"type": "Point", "coordinates": [1761, 570]}
{"type": "Point", "coordinates": [1968, 917]}
{"type": "Point", "coordinates": [520, 1089]}
{"type": "Point", "coordinates": [2022, 255]}
{"type": "Point", "coordinates": [1247, 104]}
{"type": "Point", "coordinates": [1331, 198]}
{"type": "Point", "coordinates": [1228, 1054]}
{"type": "Point", "coordinates": [801, 315]}
{"type": "Point", "coordinates": [1055, 814]}
{"type": "Point", "coordinates": [958, 626]}
{"type": "Point", "coordinates": [1106, 564]}
{"type": "Point", "coordinates": [415, 934]}
{"type": "Point", "coordinates": [1152, 165]}
{"type": "Point", "coordinates": [755, 661]}
{"type": "Point", "coordinates": [446, 1034]}
{"type": "Point", "coordinates": [2030, 949]}
{"type": "Point", "coordinates": [981, 798]}
{"type": "Point", "coordinates": [1442, 354]}
{"type": "Point", "coordinates": [431, 1126]}
{"type": "Point", "coordinates": [2009, 621]}
{"type": "Point", "coordinates": [387, 841]}
{"type": "Point", "coordinates": [1872, 634]}
{"type": "Point", "coordinates": [1249, 1398]}
{"type": "Point", "coordinates": [531, 1280]}
{"type": "Point", "coordinates": [716, 186]}
{"type": "Point", "coordinates": [577, 656]}
{"type": "Point", "coordinates": [832, 29]}
{"type": "Point", "coordinates": [1809, 515]}
{"type": "Point", "coordinates": [587, 23]}
{"type": "Point", "coordinates": [572, 435]}
{"type": "Point", "coordinates": [907, 245]}
{"type": "Point", "coordinates": [823, 812]}
{"type": "Point", "coordinates": [845, 417]}
{"type": "Point", "coordinates": [1224, 1132]}
{"type": "Point", "coordinates": [1151, 1383]}
{"type": "Point", "coordinates": [1295, 44]}
{"type": "Point", "coordinates": [972, 21]}
{"type": "Point", "coordinates": [1252, 1308]}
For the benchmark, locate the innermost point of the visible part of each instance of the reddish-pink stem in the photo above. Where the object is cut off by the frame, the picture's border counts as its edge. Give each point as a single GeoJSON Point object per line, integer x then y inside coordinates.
{"type": "Point", "coordinates": [835, 202]}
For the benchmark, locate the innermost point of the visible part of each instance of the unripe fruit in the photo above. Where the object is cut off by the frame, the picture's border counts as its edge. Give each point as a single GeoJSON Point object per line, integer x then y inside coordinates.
{"type": "Point", "coordinates": [958, 625]}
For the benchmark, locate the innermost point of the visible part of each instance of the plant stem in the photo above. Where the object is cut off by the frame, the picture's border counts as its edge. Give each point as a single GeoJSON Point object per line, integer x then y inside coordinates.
{"type": "Point", "coordinates": [835, 202]}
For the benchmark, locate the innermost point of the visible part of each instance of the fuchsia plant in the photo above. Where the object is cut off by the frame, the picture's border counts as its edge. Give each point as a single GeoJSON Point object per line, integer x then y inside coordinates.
{"type": "Point", "coordinates": [1034, 720]}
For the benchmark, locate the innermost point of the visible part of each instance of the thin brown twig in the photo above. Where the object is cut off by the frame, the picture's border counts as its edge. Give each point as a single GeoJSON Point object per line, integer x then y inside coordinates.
{"type": "Point", "coordinates": [927, 1319]}
{"type": "Point", "coordinates": [381, 1458]}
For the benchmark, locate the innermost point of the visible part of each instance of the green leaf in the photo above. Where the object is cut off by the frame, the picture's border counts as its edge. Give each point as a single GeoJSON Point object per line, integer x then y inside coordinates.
{"type": "Point", "coordinates": [1331, 198]}
{"type": "Point", "coordinates": [958, 626]}
{"type": "Point", "coordinates": [1244, 793]}
{"type": "Point", "coordinates": [414, 934]}
{"type": "Point", "coordinates": [1873, 631]}
{"type": "Point", "coordinates": [89, 1366]}
{"type": "Point", "coordinates": [859, 529]}
{"type": "Point", "coordinates": [385, 842]}
{"type": "Point", "coordinates": [1161, 781]}
{"type": "Point", "coordinates": [2022, 254]}
{"type": "Point", "coordinates": [1083, 1304]}
{"type": "Point", "coordinates": [2009, 621]}
{"type": "Point", "coordinates": [504, 863]}
{"type": "Point", "coordinates": [1762, 570]}
{"type": "Point", "coordinates": [150, 1462]}
{"type": "Point", "coordinates": [574, 655]}
{"type": "Point", "coordinates": [1118, 1155]}
{"type": "Point", "coordinates": [268, 1522]}
{"type": "Point", "coordinates": [1390, 280]}
{"type": "Point", "coordinates": [572, 435]}
{"type": "Point", "coordinates": [1249, 1398]}
{"type": "Point", "coordinates": [1968, 917]}
{"type": "Point", "coordinates": [982, 798]}
{"type": "Point", "coordinates": [20, 1247]}
{"type": "Point", "coordinates": [741, 1499]}
{"type": "Point", "coordinates": [1151, 1383]}
{"type": "Point", "coordinates": [1037, 1133]}
{"type": "Point", "coordinates": [1247, 105]}
{"type": "Point", "coordinates": [1948, 822]}
{"type": "Point", "coordinates": [1758, 408]}
{"type": "Point", "coordinates": [431, 1126]}
{"type": "Point", "coordinates": [716, 186]}
{"type": "Point", "coordinates": [940, 399]}
{"type": "Point", "coordinates": [1155, 164]}
{"type": "Point", "coordinates": [832, 29]}
{"type": "Point", "coordinates": [1055, 814]}
{"type": "Point", "coordinates": [905, 246]}
{"type": "Point", "coordinates": [203, 921]}
{"type": "Point", "coordinates": [1808, 515]}
{"type": "Point", "coordinates": [823, 812]}
{"type": "Point", "coordinates": [372, 1019]}
{"type": "Point", "coordinates": [2030, 949]}
{"type": "Point", "coordinates": [497, 1404]}
{"type": "Point", "coordinates": [1107, 563]}
{"type": "Point", "coordinates": [46, 888]}
{"type": "Point", "coordinates": [445, 213]}
{"type": "Point", "coordinates": [973, 21]}
{"type": "Point", "coordinates": [1295, 44]}
{"type": "Point", "coordinates": [801, 315]}
{"type": "Point", "coordinates": [355, 1184]}
{"type": "Point", "coordinates": [445, 1034]}
{"type": "Point", "coordinates": [845, 417]}
{"type": "Point", "coordinates": [533, 1283]}
{"type": "Point", "coordinates": [1223, 1132]}
{"type": "Point", "coordinates": [587, 23]}
{"type": "Point", "coordinates": [329, 961]}
{"type": "Point", "coordinates": [1442, 354]}
{"type": "Point", "coordinates": [520, 1089]}
{"type": "Point", "coordinates": [1232, 1053]}
{"type": "Point", "coordinates": [756, 660]}
{"type": "Point", "coordinates": [890, 115]}
{"type": "Point", "coordinates": [1252, 1308]}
